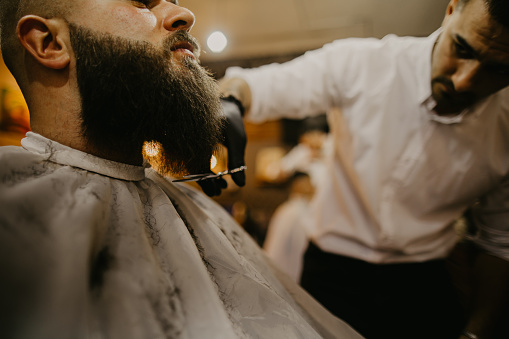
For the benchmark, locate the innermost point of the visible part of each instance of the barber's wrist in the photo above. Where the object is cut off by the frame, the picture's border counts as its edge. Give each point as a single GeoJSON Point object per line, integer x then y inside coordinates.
{"type": "Point", "coordinates": [238, 88]}
{"type": "Point", "coordinates": [236, 101]}
{"type": "Point", "coordinates": [469, 335]}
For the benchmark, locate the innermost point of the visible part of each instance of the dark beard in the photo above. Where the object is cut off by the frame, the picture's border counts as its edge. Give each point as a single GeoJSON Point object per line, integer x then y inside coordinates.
{"type": "Point", "coordinates": [132, 92]}
{"type": "Point", "coordinates": [450, 103]}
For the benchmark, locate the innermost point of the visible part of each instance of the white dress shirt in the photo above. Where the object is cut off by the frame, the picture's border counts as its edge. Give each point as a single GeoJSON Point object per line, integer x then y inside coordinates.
{"type": "Point", "coordinates": [400, 175]}
{"type": "Point", "coordinates": [91, 248]}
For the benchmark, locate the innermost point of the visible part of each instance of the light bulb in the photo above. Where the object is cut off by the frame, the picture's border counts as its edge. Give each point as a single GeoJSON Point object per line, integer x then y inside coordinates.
{"type": "Point", "coordinates": [217, 42]}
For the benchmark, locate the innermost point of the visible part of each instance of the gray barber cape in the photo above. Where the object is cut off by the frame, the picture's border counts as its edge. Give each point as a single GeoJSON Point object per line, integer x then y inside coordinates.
{"type": "Point", "coordinates": [91, 248]}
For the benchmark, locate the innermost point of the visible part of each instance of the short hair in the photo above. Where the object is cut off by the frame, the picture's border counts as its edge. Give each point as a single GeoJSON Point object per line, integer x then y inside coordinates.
{"type": "Point", "coordinates": [497, 9]}
{"type": "Point", "coordinates": [11, 11]}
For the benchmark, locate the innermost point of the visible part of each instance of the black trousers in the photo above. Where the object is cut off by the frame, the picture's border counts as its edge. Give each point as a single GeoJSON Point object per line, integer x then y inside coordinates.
{"type": "Point", "coordinates": [387, 301]}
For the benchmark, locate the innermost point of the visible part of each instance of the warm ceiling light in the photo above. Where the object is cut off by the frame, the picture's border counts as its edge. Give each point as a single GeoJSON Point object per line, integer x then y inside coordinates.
{"type": "Point", "coordinates": [217, 42]}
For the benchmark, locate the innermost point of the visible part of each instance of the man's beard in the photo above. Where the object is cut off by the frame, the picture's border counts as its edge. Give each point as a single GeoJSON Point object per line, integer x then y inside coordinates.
{"type": "Point", "coordinates": [132, 92]}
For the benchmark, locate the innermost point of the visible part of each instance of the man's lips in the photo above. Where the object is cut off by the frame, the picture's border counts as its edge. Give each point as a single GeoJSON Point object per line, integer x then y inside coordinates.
{"type": "Point", "coordinates": [184, 47]}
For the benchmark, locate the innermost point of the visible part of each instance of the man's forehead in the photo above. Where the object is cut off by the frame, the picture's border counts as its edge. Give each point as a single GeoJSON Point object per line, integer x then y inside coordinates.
{"type": "Point", "coordinates": [176, 2]}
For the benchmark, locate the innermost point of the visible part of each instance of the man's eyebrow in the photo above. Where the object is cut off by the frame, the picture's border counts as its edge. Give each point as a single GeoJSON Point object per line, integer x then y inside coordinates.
{"type": "Point", "coordinates": [477, 55]}
{"type": "Point", "coordinates": [466, 45]}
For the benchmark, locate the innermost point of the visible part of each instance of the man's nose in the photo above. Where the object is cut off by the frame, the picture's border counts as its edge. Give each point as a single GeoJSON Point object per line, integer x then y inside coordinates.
{"type": "Point", "coordinates": [178, 18]}
{"type": "Point", "coordinates": [466, 74]}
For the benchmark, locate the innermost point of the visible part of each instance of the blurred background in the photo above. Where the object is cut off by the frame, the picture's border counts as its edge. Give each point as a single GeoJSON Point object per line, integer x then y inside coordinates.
{"type": "Point", "coordinates": [264, 30]}
{"type": "Point", "coordinates": [252, 33]}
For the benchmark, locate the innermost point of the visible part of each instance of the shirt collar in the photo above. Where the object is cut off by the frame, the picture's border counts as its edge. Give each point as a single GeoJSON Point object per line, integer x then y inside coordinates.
{"type": "Point", "coordinates": [425, 70]}
{"type": "Point", "coordinates": [61, 154]}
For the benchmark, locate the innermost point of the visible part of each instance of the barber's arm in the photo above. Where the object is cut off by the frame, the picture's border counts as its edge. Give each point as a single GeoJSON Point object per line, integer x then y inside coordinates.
{"type": "Point", "coordinates": [490, 264]}
{"type": "Point", "coordinates": [295, 89]}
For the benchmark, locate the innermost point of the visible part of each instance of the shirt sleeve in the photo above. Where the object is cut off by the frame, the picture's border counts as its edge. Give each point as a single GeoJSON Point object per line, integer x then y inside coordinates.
{"type": "Point", "coordinates": [491, 218]}
{"type": "Point", "coordinates": [306, 86]}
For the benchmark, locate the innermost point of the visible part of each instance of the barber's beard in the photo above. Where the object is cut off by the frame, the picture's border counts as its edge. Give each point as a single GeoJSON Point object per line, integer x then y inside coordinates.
{"type": "Point", "coordinates": [448, 100]}
{"type": "Point", "coordinates": [133, 92]}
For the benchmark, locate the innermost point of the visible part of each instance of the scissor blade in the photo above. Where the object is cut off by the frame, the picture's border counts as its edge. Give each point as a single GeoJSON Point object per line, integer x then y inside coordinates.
{"type": "Point", "coordinates": [205, 176]}
{"type": "Point", "coordinates": [195, 177]}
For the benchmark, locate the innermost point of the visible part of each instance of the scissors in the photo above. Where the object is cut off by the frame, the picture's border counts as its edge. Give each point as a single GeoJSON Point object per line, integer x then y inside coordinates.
{"type": "Point", "coordinates": [207, 176]}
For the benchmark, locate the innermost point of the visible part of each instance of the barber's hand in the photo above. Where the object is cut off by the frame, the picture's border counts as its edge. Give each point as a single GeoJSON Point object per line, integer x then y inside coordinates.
{"type": "Point", "coordinates": [213, 187]}
{"type": "Point", "coordinates": [234, 139]}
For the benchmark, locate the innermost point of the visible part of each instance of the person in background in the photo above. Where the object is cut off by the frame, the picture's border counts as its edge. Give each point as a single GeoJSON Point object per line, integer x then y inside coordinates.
{"type": "Point", "coordinates": [289, 228]}
{"type": "Point", "coordinates": [287, 234]}
{"type": "Point", "coordinates": [307, 156]}
{"type": "Point", "coordinates": [421, 133]}
{"type": "Point", "coordinates": [92, 243]}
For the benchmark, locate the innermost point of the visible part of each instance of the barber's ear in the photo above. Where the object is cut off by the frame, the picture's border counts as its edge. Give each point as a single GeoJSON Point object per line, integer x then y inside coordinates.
{"type": "Point", "coordinates": [451, 7]}
{"type": "Point", "coordinates": [47, 40]}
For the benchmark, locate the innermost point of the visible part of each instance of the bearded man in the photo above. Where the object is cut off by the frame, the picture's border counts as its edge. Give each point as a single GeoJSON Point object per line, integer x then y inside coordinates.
{"type": "Point", "coordinates": [92, 243]}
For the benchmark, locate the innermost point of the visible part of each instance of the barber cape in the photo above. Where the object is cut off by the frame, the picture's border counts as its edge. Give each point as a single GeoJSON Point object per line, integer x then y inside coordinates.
{"type": "Point", "coordinates": [91, 248]}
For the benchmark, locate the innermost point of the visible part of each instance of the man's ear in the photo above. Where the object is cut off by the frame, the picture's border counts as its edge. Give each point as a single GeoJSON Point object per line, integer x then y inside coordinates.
{"type": "Point", "coordinates": [46, 40]}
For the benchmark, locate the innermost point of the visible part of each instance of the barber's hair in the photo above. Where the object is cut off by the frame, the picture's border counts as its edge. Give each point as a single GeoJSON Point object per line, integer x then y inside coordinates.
{"type": "Point", "coordinates": [11, 11]}
{"type": "Point", "coordinates": [498, 10]}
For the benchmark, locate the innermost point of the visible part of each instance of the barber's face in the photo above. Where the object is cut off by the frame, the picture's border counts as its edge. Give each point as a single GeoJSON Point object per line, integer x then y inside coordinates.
{"type": "Point", "coordinates": [471, 58]}
{"type": "Point", "coordinates": [135, 90]}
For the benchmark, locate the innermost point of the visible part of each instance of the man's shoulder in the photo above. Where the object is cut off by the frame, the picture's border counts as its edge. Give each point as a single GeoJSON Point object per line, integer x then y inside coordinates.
{"type": "Point", "coordinates": [502, 97]}
{"type": "Point", "coordinates": [10, 149]}
{"type": "Point", "coordinates": [15, 156]}
{"type": "Point", "coordinates": [19, 164]}
{"type": "Point", "coordinates": [379, 56]}
{"type": "Point", "coordinates": [388, 42]}
{"type": "Point", "coordinates": [497, 105]}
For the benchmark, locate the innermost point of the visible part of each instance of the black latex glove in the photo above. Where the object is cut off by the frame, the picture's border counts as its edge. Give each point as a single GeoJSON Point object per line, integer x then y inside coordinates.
{"type": "Point", "coordinates": [234, 139]}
